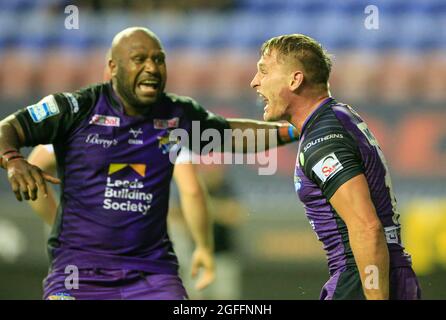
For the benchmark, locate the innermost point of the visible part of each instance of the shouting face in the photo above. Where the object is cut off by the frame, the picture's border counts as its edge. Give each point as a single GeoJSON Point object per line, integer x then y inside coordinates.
{"type": "Point", "coordinates": [275, 82]}
{"type": "Point", "coordinates": [138, 68]}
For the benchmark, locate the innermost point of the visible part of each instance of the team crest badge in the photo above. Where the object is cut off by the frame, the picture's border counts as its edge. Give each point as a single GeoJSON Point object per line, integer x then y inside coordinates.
{"type": "Point", "coordinates": [166, 145]}
{"type": "Point", "coordinates": [61, 296]}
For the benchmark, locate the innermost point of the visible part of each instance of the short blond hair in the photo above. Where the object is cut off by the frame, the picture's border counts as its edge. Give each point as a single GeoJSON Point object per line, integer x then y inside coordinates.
{"type": "Point", "coordinates": [315, 60]}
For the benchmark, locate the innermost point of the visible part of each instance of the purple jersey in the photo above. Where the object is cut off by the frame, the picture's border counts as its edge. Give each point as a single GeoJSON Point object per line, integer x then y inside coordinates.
{"type": "Point", "coordinates": [115, 172]}
{"type": "Point", "coordinates": [335, 146]}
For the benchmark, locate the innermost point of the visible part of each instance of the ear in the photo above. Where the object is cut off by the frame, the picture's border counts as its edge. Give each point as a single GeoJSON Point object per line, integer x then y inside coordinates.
{"type": "Point", "coordinates": [112, 67]}
{"type": "Point", "coordinates": [297, 78]}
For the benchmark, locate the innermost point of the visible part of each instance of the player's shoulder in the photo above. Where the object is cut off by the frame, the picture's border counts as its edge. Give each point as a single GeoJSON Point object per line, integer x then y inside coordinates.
{"type": "Point", "coordinates": [324, 126]}
{"type": "Point", "coordinates": [324, 120]}
{"type": "Point", "coordinates": [184, 101]}
{"type": "Point", "coordinates": [82, 99]}
{"type": "Point", "coordinates": [188, 106]}
{"type": "Point", "coordinates": [326, 133]}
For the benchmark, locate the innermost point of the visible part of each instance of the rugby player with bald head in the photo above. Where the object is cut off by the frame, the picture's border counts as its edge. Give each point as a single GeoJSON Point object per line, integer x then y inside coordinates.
{"type": "Point", "coordinates": [111, 142]}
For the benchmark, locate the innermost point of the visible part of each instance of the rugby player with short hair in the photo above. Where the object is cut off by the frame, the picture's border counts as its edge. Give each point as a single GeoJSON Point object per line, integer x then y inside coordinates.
{"type": "Point", "coordinates": [341, 175]}
{"type": "Point", "coordinates": [112, 146]}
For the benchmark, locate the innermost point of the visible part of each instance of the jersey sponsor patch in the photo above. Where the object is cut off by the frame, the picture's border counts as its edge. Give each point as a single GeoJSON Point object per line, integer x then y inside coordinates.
{"type": "Point", "coordinates": [74, 105]}
{"type": "Point", "coordinates": [61, 296]}
{"type": "Point", "coordinates": [45, 108]}
{"type": "Point", "coordinates": [393, 234]}
{"type": "Point", "coordinates": [166, 123]}
{"type": "Point", "coordinates": [322, 139]}
{"type": "Point", "coordinates": [327, 167]}
{"type": "Point", "coordinates": [106, 121]}
{"type": "Point", "coordinates": [125, 192]}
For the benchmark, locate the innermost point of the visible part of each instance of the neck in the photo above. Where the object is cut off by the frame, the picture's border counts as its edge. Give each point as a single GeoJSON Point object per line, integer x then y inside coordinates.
{"type": "Point", "coordinates": [303, 106]}
{"type": "Point", "coordinates": [128, 109]}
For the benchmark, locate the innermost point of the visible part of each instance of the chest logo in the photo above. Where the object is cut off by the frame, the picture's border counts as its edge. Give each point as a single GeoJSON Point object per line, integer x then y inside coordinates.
{"type": "Point", "coordinates": [139, 168]}
{"type": "Point", "coordinates": [135, 134]}
{"type": "Point", "coordinates": [125, 192]}
{"type": "Point", "coordinates": [166, 145]}
{"type": "Point", "coordinates": [166, 123]}
{"type": "Point", "coordinates": [95, 138]}
{"type": "Point", "coordinates": [106, 121]}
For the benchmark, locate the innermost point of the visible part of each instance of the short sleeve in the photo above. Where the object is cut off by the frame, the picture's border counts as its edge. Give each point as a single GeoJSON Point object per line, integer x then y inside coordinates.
{"type": "Point", "coordinates": [208, 120]}
{"type": "Point", "coordinates": [330, 161]}
{"type": "Point", "coordinates": [52, 118]}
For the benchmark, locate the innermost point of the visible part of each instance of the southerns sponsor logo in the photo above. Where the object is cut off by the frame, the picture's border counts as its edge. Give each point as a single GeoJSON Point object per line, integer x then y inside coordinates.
{"type": "Point", "coordinates": [327, 137]}
{"type": "Point", "coordinates": [126, 195]}
{"type": "Point", "coordinates": [73, 102]}
{"type": "Point", "coordinates": [166, 123]}
{"type": "Point", "coordinates": [94, 138]}
{"type": "Point", "coordinates": [45, 108]}
{"type": "Point", "coordinates": [135, 134]}
{"type": "Point", "coordinates": [327, 167]}
{"type": "Point", "coordinates": [107, 121]}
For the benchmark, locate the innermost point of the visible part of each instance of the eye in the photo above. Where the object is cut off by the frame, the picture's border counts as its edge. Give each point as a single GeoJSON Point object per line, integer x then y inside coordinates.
{"type": "Point", "coordinates": [138, 59]}
{"type": "Point", "coordinates": [159, 59]}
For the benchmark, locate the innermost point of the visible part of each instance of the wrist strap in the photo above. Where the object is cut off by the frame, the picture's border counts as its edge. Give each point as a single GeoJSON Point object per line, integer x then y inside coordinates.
{"type": "Point", "coordinates": [286, 134]}
{"type": "Point", "coordinates": [8, 151]}
{"type": "Point", "coordinates": [9, 155]}
{"type": "Point", "coordinates": [291, 133]}
{"type": "Point", "coordinates": [19, 156]}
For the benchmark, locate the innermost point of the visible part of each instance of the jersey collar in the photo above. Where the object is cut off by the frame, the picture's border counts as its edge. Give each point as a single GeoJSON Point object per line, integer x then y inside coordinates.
{"type": "Point", "coordinates": [313, 114]}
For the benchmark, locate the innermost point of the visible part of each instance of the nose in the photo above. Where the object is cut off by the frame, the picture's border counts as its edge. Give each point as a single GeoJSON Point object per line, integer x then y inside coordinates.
{"type": "Point", "coordinates": [254, 82]}
{"type": "Point", "coordinates": [150, 66]}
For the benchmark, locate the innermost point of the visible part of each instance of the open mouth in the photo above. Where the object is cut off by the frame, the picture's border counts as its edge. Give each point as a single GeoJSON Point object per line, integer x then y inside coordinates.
{"type": "Point", "coordinates": [264, 99]}
{"type": "Point", "coordinates": [149, 86]}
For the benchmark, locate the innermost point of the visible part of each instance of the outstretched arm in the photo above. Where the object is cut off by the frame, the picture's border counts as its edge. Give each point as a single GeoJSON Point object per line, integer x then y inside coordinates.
{"type": "Point", "coordinates": [25, 179]}
{"type": "Point", "coordinates": [45, 207]}
{"type": "Point", "coordinates": [255, 136]}
{"type": "Point", "coordinates": [193, 198]}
